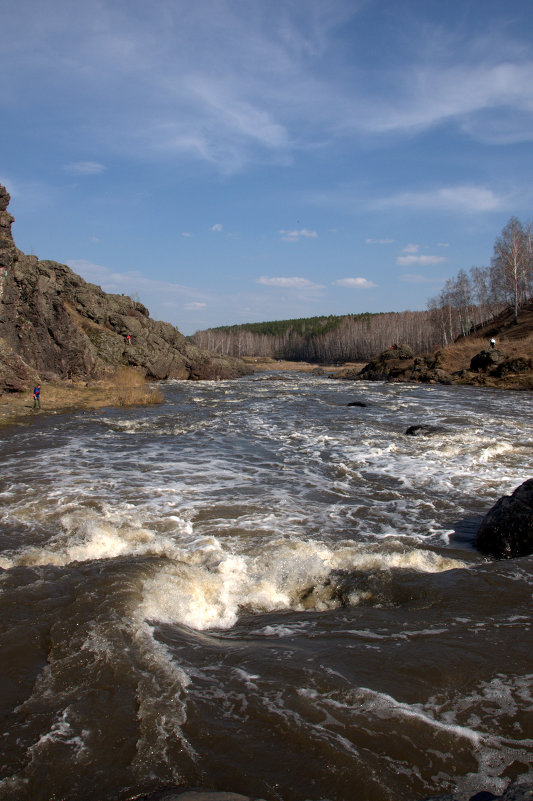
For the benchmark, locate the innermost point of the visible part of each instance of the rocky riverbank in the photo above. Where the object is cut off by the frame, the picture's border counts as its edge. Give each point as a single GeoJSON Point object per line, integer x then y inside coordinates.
{"type": "Point", "coordinates": [124, 388]}
{"type": "Point", "coordinates": [55, 326]}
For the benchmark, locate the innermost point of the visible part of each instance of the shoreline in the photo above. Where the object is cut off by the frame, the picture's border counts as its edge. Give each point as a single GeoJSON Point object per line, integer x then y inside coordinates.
{"type": "Point", "coordinates": [61, 397]}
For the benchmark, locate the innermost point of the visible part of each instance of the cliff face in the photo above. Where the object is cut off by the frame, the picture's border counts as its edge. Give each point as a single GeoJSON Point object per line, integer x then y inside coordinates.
{"type": "Point", "coordinates": [53, 324]}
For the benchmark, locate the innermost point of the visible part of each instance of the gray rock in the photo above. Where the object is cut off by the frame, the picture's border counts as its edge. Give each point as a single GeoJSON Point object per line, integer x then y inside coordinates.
{"type": "Point", "coordinates": [506, 531]}
{"type": "Point", "coordinates": [424, 431]}
{"type": "Point", "coordinates": [486, 359]}
{"type": "Point", "coordinates": [54, 324]}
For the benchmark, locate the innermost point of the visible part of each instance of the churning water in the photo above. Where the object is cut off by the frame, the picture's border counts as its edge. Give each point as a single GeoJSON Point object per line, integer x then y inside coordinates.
{"type": "Point", "coordinates": [257, 588]}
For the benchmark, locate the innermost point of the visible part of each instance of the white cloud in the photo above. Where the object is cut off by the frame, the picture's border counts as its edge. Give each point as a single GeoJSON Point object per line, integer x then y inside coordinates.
{"type": "Point", "coordinates": [460, 199]}
{"type": "Point", "coordinates": [195, 305]}
{"type": "Point", "coordinates": [411, 249]}
{"type": "Point", "coordinates": [85, 168]}
{"type": "Point", "coordinates": [354, 283]}
{"type": "Point", "coordinates": [379, 241]}
{"type": "Point", "coordinates": [443, 244]}
{"type": "Point", "coordinates": [420, 258]}
{"type": "Point", "coordinates": [216, 227]}
{"type": "Point", "coordinates": [294, 236]}
{"type": "Point", "coordinates": [185, 234]}
{"type": "Point", "coordinates": [289, 283]}
{"type": "Point", "coordinates": [132, 282]}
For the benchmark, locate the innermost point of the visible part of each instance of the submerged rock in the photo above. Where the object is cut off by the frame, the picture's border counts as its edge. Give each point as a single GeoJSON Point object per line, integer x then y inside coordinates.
{"type": "Point", "coordinates": [357, 403]}
{"type": "Point", "coordinates": [506, 531]}
{"type": "Point", "coordinates": [515, 792]}
{"type": "Point", "coordinates": [424, 431]}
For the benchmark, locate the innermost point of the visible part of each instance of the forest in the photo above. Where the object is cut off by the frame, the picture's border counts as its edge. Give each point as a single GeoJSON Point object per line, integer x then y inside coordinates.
{"type": "Point", "coordinates": [466, 301]}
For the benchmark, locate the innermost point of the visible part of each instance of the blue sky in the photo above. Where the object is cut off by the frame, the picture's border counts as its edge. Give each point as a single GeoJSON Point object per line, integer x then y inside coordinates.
{"type": "Point", "coordinates": [231, 161]}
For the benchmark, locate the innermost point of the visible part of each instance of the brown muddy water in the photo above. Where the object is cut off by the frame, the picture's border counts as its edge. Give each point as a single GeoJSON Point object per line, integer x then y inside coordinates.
{"type": "Point", "coordinates": [256, 588]}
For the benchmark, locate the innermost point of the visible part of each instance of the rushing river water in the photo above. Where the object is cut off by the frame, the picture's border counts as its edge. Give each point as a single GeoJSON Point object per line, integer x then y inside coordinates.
{"type": "Point", "coordinates": [256, 588]}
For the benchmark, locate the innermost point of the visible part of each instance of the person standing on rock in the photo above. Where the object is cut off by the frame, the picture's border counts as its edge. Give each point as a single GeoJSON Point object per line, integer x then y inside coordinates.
{"type": "Point", "coordinates": [492, 342]}
{"type": "Point", "coordinates": [37, 397]}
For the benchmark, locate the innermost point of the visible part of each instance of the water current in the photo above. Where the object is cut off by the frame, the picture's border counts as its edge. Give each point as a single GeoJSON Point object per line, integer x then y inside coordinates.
{"type": "Point", "coordinates": [257, 588]}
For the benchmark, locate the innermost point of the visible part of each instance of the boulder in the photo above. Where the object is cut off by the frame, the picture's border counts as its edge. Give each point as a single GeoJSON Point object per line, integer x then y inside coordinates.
{"type": "Point", "coordinates": [486, 359]}
{"type": "Point", "coordinates": [506, 531]}
{"type": "Point", "coordinates": [514, 366]}
{"type": "Point", "coordinates": [424, 431]}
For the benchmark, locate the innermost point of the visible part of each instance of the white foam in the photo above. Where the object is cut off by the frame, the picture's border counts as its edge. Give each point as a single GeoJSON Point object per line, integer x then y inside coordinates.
{"type": "Point", "coordinates": [285, 574]}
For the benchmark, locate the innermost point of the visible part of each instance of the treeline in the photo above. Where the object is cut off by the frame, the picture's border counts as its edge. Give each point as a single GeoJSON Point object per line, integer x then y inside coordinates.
{"type": "Point", "coordinates": [471, 299]}
{"type": "Point", "coordinates": [353, 337]}
{"type": "Point", "coordinates": [467, 301]}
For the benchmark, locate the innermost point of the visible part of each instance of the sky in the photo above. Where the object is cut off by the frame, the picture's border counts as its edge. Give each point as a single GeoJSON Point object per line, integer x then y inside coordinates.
{"type": "Point", "coordinates": [233, 161]}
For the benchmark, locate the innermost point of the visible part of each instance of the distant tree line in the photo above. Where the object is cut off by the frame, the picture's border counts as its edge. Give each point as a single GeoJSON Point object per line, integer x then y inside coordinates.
{"type": "Point", "coordinates": [471, 299]}
{"type": "Point", "coordinates": [353, 337]}
{"type": "Point", "coordinates": [465, 302]}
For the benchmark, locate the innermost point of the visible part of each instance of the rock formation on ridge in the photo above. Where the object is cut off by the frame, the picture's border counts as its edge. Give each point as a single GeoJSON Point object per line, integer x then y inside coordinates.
{"type": "Point", "coordinates": [53, 324]}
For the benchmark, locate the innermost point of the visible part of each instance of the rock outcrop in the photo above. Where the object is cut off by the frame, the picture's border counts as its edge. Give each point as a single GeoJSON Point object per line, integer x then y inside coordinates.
{"type": "Point", "coordinates": [506, 531]}
{"type": "Point", "coordinates": [399, 364]}
{"type": "Point", "coordinates": [53, 324]}
{"type": "Point", "coordinates": [486, 359]}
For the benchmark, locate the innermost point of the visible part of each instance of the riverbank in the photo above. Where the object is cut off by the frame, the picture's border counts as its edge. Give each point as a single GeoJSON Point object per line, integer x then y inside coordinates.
{"type": "Point", "coordinates": [125, 388]}
{"type": "Point", "coordinates": [262, 364]}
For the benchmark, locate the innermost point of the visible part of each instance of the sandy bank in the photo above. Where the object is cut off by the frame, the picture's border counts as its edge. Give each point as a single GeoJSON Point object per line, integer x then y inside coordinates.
{"type": "Point", "coordinates": [72, 396]}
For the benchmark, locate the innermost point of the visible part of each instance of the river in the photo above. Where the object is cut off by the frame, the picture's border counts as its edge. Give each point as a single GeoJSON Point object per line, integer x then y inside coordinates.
{"type": "Point", "coordinates": [257, 588]}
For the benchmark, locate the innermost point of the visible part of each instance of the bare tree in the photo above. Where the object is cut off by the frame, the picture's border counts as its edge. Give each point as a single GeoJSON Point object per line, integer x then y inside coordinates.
{"type": "Point", "coordinates": [512, 263]}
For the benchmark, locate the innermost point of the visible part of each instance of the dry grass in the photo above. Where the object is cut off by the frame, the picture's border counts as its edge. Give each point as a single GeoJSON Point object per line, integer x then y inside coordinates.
{"type": "Point", "coordinates": [458, 355]}
{"type": "Point", "coordinates": [263, 364]}
{"type": "Point", "coordinates": [125, 387]}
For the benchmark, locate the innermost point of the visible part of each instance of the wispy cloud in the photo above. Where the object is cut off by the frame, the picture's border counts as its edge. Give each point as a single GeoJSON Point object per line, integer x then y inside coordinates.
{"type": "Point", "coordinates": [289, 283]}
{"type": "Point", "coordinates": [85, 168]}
{"type": "Point", "coordinates": [132, 282]}
{"type": "Point", "coordinates": [295, 235]}
{"type": "Point", "coordinates": [195, 306]}
{"type": "Point", "coordinates": [411, 248]}
{"type": "Point", "coordinates": [379, 241]}
{"type": "Point", "coordinates": [355, 283]}
{"type": "Point", "coordinates": [217, 227]}
{"type": "Point", "coordinates": [419, 258]}
{"type": "Point", "coordinates": [459, 199]}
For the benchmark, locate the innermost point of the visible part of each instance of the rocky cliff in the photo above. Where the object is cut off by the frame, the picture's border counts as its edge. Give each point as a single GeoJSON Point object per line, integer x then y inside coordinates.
{"type": "Point", "coordinates": [53, 324]}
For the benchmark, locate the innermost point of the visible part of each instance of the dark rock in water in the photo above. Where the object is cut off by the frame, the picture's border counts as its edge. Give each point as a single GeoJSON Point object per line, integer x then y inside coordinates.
{"type": "Point", "coordinates": [357, 403]}
{"type": "Point", "coordinates": [424, 431]}
{"type": "Point", "coordinates": [318, 371]}
{"type": "Point", "coordinates": [53, 324]}
{"type": "Point", "coordinates": [486, 359]}
{"type": "Point", "coordinates": [515, 792]}
{"type": "Point", "coordinates": [506, 531]}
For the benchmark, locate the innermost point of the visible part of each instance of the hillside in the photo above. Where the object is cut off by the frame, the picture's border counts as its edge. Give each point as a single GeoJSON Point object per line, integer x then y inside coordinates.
{"type": "Point", "coordinates": [54, 325]}
{"type": "Point", "coordinates": [469, 360]}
